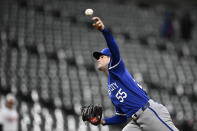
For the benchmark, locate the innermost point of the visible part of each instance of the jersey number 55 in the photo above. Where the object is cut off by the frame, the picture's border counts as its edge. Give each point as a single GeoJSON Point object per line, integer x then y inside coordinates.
{"type": "Point", "coordinates": [121, 95]}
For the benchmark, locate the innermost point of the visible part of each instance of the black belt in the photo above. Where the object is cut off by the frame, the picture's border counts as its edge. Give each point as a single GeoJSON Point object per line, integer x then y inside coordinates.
{"type": "Point", "coordinates": [145, 106]}
{"type": "Point", "coordinates": [142, 109]}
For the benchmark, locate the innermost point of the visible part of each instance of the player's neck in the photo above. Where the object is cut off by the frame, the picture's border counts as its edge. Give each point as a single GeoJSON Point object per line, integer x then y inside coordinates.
{"type": "Point", "coordinates": [106, 72]}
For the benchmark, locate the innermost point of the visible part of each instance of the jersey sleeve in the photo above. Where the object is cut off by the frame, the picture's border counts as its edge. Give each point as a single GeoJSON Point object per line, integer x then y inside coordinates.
{"type": "Point", "coordinates": [113, 47]}
{"type": "Point", "coordinates": [116, 119]}
{"type": "Point", "coordinates": [119, 112]}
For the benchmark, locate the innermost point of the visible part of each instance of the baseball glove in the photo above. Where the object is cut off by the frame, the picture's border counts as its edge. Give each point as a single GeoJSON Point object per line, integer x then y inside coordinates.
{"type": "Point", "coordinates": [92, 114]}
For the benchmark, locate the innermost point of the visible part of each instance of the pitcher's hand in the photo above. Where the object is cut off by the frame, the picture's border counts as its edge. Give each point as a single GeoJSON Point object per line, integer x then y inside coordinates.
{"type": "Point", "coordinates": [98, 23]}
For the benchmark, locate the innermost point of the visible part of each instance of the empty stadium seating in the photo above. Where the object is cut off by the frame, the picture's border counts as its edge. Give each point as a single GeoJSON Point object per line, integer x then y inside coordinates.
{"type": "Point", "coordinates": [45, 59]}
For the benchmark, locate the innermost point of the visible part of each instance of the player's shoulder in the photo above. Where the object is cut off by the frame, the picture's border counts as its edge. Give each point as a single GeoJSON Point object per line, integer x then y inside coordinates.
{"type": "Point", "coordinates": [117, 66]}
{"type": "Point", "coordinates": [2, 112]}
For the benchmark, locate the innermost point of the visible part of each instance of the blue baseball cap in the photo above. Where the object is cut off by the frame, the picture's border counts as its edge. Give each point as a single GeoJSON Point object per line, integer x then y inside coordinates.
{"type": "Point", "coordinates": [104, 51]}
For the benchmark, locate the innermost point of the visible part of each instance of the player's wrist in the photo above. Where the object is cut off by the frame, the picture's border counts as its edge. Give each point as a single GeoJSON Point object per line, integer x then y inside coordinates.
{"type": "Point", "coordinates": [103, 122]}
{"type": "Point", "coordinates": [102, 28]}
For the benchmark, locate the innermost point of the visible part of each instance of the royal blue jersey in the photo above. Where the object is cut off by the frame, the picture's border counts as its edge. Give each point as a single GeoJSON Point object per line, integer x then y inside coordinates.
{"type": "Point", "coordinates": [126, 94]}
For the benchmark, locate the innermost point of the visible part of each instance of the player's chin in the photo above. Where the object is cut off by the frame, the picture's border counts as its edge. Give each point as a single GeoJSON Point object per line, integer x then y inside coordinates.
{"type": "Point", "coordinates": [99, 67]}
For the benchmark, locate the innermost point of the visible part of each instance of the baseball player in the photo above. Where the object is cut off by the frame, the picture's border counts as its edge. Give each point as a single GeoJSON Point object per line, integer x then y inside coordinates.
{"type": "Point", "coordinates": [127, 96]}
{"type": "Point", "coordinates": [8, 115]}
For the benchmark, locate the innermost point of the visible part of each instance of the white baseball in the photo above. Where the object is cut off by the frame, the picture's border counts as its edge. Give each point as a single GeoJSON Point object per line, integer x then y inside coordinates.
{"type": "Point", "coordinates": [89, 12]}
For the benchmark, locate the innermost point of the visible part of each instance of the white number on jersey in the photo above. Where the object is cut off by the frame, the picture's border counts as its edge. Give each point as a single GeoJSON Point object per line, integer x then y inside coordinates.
{"type": "Point", "coordinates": [121, 95]}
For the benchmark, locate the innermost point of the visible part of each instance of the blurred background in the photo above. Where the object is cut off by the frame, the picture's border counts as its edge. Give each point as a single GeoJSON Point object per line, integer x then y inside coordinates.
{"type": "Point", "coordinates": [46, 58]}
